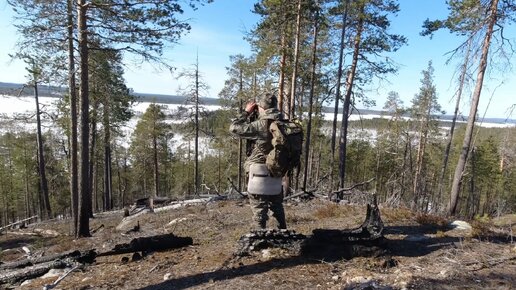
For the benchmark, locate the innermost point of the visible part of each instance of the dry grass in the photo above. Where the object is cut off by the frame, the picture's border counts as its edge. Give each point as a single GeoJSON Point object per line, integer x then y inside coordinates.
{"type": "Point", "coordinates": [330, 210]}
{"type": "Point", "coordinates": [299, 218]}
{"type": "Point", "coordinates": [481, 228]}
{"type": "Point", "coordinates": [396, 215]}
{"type": "Point", "coordinates": [432, 220]}
{"type": "Point", "coordinates": [508, 220]}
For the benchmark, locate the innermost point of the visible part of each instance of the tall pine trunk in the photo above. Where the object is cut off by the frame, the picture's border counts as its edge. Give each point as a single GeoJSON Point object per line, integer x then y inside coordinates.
{"type": "Point", "coordinates": [93, 168]}
{"type": "Point", "coordinates": [290, 113]}
{"type": "Point", "coordinates": [311, 100]}
{"type": "Point", "coordinates": [84, 192]}
{"type": "Point", "coordinates": [196, 169]}
{"type": "Point", "coordinates": [41, 158]}
{"type": "Point", "coordinates": [95, 183]}
{"type": "Point", "coordinates": [27, 184]}
{"type": "Point", "coordinates": [283, 59]}
{"type": "Point", "coordinates": [421, 148]}
{"type": "Point", "coordinates": [462, 80]}
{"type": "Point", "coordinates": [459, 169]}
{"type": "Point", "coordinates": [240, 141]}
{"type": "Point", "coordinates": [347, 101]}
{"type": "Point", "coordinates": [74, 176]}
{"type": "Point", "coordinates": [108, 175]}
{"type": "Point", "coordinates": [292, 103]}
{"type": "Point", "coordinates": [337, 93]}
{"type": "Point", "coordinates": [155, 163]}
{"type": "Point", "coordinates": [119, 181]}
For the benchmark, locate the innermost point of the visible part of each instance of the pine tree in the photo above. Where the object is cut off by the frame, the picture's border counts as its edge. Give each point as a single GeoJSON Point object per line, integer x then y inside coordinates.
{"type": "Point", "coordinates": [148, 140]}
{"type": "Point", "coordinates": [424, 108]}
{"type": "Point", "coordinates": [370, 39]}
{"type": "Point", "coordinates": [473, 20]}
{"type": "Point", "coordinates": [195, 88]}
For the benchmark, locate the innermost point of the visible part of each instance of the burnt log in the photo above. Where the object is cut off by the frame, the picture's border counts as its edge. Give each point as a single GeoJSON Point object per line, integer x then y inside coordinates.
{"type": "Point", "coordinates": [31, 272]}
{"type": "Point", "coordinates": [323, 244]}
{"type": "Point", "coordinates": [370, 230]}
{"type": "Point", "coordinates": [31, 267]}
{"type": "Point", "coordinates": [262, 239]}
{"type": "Point", "coordinates": [150, 244]}
{"type": "Point", "coordinates": [78, 256]}
{"type": "Point", "coordinates": [364, 241]}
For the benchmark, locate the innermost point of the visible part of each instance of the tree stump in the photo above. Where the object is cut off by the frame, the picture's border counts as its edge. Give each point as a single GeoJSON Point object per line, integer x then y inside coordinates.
{"type": "Point", "coordinates": [323, 244]}
{"type": "Point", "coordinates": [264, 239]}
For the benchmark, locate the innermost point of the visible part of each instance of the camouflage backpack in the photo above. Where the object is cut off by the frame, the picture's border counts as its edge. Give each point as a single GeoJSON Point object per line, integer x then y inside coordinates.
{"type": "Point", "coordinates": [287, 143]}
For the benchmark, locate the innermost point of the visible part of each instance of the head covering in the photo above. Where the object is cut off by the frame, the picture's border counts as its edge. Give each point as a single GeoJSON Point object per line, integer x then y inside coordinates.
{"type": "Point", "coordinates": [267, 101]}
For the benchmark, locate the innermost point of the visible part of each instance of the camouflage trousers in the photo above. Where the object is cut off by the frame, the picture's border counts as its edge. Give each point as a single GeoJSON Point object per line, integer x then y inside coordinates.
{"type": "Point", "coordinates": [260, 205]}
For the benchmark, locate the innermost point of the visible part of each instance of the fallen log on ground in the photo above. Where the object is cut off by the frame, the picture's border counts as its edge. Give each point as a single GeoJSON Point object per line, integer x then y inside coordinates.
{"type": "Point", "coordinates": [21, 233]}
{"type": "Point", "coordinates": [150, 244]}
{"type": "Point", "coordinates": [32, 267]}
{"type": "Point", "coordinates": [150, 201]}
{"type": "Point", "coordinates": [17, 223]}
{"type": "Point", "coordinates": [128, 222]}
{"type": "Point", "coordinates": [35, 271]}
{"type": "Point", "coordinates": [46, 232]}
{"type": "Point", "coordinates": [81, 257]}
{"type": "Point", "coordinates": [165, 204]}
{"type": "Point", "coordinates": [35, 232]}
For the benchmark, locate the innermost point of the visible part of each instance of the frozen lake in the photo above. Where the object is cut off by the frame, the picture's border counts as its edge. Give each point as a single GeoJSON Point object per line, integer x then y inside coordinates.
{"type": "Point", "coordinates": [10, 106]}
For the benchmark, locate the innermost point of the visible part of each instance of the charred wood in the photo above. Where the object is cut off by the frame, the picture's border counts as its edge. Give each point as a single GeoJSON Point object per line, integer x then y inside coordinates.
{"type": "Point", "coordinates": [263, 239]}
{"type": "Point", "coordinates": [150, 244]}
{"type": "Point", "coordinates": [33, 267]}
{"type": "Point", "coordinates": [15, 276]}
{"type": "Point", "coordinates": [365, 240]}
{"type": "Point", "coordinates": [81, 257]}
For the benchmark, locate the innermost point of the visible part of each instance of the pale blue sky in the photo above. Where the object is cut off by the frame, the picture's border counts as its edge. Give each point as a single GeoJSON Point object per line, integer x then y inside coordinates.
{"type": "Point", "coordinates": [218, 29]}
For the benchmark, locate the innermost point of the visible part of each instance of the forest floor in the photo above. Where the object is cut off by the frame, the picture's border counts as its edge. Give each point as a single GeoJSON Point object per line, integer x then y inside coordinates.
{"type": "Point", "coordinates": [421, 252]}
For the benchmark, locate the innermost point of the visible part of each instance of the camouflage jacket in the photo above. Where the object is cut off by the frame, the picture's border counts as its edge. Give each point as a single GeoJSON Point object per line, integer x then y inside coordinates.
{"type": "Point", "coordinates": [258, 131]}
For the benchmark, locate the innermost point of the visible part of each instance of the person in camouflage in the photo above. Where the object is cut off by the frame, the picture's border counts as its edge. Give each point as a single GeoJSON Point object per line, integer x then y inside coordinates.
{"type": "Point", "coordinates": [264, 190]}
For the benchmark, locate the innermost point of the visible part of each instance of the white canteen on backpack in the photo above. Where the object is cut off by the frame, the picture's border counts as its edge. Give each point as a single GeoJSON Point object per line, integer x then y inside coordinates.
{"type": "Point", "coordinates": [261, 181]}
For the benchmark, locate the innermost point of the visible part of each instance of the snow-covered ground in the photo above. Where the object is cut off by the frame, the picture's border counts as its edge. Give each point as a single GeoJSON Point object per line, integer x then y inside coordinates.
{"type": "Point", "coordinates": [20, 111]}
{"type": "Point", "coordinates": [11, 106]}
{"type": "Point", "coordinates": [141, 107]}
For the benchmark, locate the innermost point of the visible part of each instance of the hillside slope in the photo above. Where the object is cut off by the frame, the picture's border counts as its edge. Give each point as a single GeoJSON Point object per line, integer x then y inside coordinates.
{"type": "Point", "coordinates": [418, 255]}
